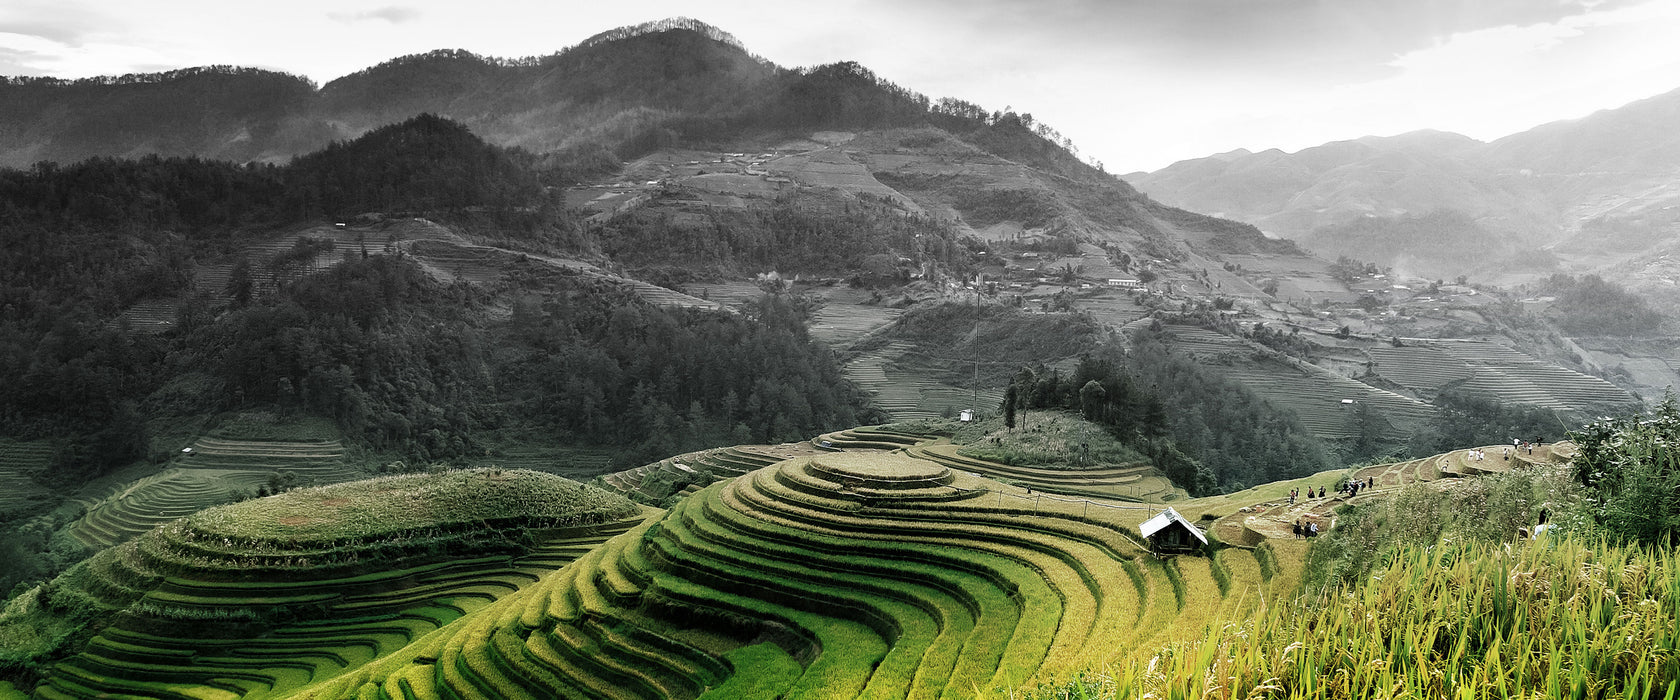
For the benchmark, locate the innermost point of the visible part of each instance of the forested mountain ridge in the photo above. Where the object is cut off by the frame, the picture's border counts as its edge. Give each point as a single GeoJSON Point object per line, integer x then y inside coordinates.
{"type": "Point", "coordinates": [1582, 195]}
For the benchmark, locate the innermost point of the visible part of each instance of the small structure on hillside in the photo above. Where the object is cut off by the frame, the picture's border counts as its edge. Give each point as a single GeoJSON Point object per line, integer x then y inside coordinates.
{"type": "Point", "coordinates": [1170, 532]}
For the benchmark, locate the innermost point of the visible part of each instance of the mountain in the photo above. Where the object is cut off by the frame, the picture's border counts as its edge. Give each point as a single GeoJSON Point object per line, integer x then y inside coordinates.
{"type": "Point", "coordinates": [1596, 192]}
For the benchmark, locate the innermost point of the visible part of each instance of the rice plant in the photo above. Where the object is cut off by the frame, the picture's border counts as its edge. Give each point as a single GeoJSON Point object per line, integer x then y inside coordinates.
{"type": "Point", "coordinates": [1456, 619]}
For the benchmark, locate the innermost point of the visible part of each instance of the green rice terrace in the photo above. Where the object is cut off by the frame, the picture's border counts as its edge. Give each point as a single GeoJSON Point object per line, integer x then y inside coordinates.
{"type": "Point", "coordinates": [685, 474]}
{"type": "Point", "coordinates": [214, 471]}
{"type": "Point", "coordinates": [879, 561]}
{"type": "Point", "coordinates": [265, 596]}
{"type": "Point", "coordinates": [842, 574]}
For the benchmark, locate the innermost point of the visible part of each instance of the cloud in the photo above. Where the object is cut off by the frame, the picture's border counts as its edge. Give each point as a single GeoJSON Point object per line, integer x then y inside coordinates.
{"type": "Point", "coordinates": [390, 13]}
{"type": "Point", "coordinates": [66, 23]}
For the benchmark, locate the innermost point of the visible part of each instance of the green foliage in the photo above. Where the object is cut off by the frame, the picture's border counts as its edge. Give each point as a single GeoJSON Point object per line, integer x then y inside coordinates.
{"type": "Point", "coordinates": [376, 507]}
{"type": "Point", "coordinates": [1491, 509]}
{"type": "Point", "coordinates": [1592, 305]}
{"type": "Point", "coordinates": [865, 238]}
{"type": "Point", "coordinates": [662, 382]}
{"type": "Point", "coordinates": [1053, 438]}
{"type": "Point", "coordinates": [89, 239]}
{"type": "Point", "coordinates": [1204, 431]}
{"type": "Point", "coordinates": [423, 164]}
{"type": "Point", "coordinates": [1631, 468]}
{"type": "Point", "coordinates": [1462, 619]}
{"type": "Point", "coordinates": [1467, 419]}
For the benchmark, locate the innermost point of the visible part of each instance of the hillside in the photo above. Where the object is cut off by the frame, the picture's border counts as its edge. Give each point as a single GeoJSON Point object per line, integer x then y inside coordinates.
{"type": "Point", "coordinates": [824, 575]}
{"type": "Point", "coordinates": [273, 593]}
{"type": "Point", "coordinates": [1595, 192]}
{"type": "Point", "coordinates": [877, 564]}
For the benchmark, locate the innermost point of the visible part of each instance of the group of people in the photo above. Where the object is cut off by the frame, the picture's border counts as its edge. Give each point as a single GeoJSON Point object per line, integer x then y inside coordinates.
{"type": "Point", "coordinates": [1353, 486]}
{"type": "Point", "coordinates": [1307, 529]}
{"type": "Point", "coordinates": [1296, 493]}
{"type": "Point", "coordinates": [1350, 488]}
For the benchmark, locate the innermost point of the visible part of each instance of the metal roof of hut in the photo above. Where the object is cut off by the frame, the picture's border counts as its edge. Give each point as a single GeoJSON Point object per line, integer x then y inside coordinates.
{"type": "Point", "coordinates": [1164, 520]}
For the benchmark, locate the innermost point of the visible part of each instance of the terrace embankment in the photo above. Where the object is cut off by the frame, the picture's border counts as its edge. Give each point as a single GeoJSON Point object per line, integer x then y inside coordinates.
{"type": "Point", "coordinates": [846, 574]}
{"type": "Point", "coordinates": [1273, 518]}
{"type": "Point", "coordinates": [272, 594]}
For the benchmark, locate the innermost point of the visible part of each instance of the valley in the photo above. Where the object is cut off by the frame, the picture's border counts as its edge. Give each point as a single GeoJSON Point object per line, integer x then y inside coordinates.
{"type": "Point", "coordinates": [650, 368]}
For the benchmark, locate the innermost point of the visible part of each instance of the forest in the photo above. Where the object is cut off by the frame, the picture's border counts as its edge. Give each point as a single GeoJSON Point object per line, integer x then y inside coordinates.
{"type": "Point", "coordinates": [1593, 306]}
{"type": "Point", "coordinates": [784, 235]}
{"type": "Point", "coordinates": [403, 363]}
{"type": "Point", "coordinates": [1208, 433]}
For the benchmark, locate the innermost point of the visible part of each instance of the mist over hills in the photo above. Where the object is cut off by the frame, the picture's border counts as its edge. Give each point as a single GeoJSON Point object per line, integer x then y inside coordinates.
{"type": "Point", "coordinates": [1595, 194]}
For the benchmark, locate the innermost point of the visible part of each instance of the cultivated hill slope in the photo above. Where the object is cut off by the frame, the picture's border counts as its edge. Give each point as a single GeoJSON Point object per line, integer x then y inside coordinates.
{"type": "Point", "coordinates": [838, 575]}
{"type": "Point", "coordinates": [838, 570]}
{"type": "Point", "coordinates": [274, 593]}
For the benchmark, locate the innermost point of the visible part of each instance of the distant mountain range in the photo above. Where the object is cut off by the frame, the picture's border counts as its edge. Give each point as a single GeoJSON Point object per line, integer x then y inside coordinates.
{"type": "Point", "coordinates": [621, 95]}
{"type": "Point", "coordinates": [1600, 193]}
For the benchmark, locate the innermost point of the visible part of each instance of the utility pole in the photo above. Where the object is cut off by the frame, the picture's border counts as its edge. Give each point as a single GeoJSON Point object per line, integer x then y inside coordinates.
{"type": "Point", "coordinates": [974, 401]}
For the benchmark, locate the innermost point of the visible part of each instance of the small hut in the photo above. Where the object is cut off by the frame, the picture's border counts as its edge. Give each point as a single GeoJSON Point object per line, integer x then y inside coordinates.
{"type": "Point", "coordinates": [1170, 532]}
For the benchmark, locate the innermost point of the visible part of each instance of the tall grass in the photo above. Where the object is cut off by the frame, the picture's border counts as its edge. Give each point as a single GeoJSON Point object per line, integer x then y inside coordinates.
{"type": "Point", "coordinates": [1461, 620]}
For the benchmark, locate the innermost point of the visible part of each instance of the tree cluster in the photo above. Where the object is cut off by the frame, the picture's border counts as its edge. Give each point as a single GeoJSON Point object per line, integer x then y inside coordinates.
{"type": "Point", "coordinates": [1630, 466]}
{"type": "Point", "coordinates": [1169, 407]}
{"type": "Point", "coordinates": [1593, 306]}
{"type": "Point", "coordinates": [1463, 419]}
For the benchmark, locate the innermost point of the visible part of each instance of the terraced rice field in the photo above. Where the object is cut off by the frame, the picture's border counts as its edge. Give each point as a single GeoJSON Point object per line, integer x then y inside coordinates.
{"type": "Point", "coordinates": [148, 503]}
{"type": "Point", "coordinates": [217, 471]}
{"type": "Point", "coordinates": [250, 463]}
{"type": "Point", "coordinates": [580, 464]}
{"type": "Point", "coordinates": [1134, 482]}
{"type": "Point", "coordinates": [210, 609]}
{"type": "Point", "coordinates": [1495, 371]}
{"type": "Point", "coordinates": [1418, 367]}
{"type": "Point", "coordinates": [730, 294]}
{"type": "Point", "coordinates": [833, 576]}
{"type": "Point", "coordinates": [652, 483]}
{"type": "Point", "coordinates": [907, 395]}
{"type": "Point", "coordinates": [833, 168]}
{"type": "Point", "coordinates": [19, 463]}
{"type": "Point", "coordinates": [1315, 394]}
{"type": "Point", "coordinates": [845, 317]}
{"type": "Point", "coordinates": [1116, 308]}
{"type": "Point", "coordinates": [150, 316]}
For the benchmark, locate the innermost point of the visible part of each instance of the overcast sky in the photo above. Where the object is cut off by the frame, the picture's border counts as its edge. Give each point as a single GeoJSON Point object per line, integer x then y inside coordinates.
{"type": "Point", "coordinates": [1136, 84]}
